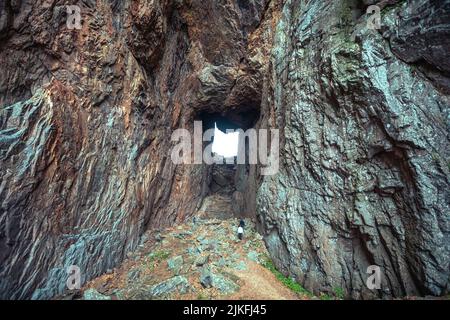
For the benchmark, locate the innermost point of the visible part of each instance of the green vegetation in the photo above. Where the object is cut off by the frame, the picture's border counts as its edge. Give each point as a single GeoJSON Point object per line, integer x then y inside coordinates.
{"type": "Point", "coordinates": [201, 296]}
{"type": "Point", "coordinates": [339, 293]}
{"type": "Point", "coordinates": [159, 255]}
{"type": "Point", "coordinates": [288, 282]}
{"type": "Point", "coordinates": [324, 296]}
{"type": "Point", "coordinates": [435, 156]}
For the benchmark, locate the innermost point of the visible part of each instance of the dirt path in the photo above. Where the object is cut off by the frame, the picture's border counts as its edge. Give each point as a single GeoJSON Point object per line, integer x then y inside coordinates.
{"type": "Point", "coordinates": [260, 284]}
{"type": "Point", "coordinates": [221, 255]}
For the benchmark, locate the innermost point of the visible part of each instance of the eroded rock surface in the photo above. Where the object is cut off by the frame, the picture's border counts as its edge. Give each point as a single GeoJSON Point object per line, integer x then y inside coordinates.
{"type": "Point", "coordinates": [364, 178]}
{"type": "Point", "coordinates": [86, 117]}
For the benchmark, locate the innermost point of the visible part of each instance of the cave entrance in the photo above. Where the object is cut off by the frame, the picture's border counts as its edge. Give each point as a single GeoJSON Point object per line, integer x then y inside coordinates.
{"type": "Point", "coordinates": [228, 190]}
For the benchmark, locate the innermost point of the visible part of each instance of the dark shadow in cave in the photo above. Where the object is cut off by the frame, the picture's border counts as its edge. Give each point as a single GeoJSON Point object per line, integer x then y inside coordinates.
{"type": "Point", "coordinates": [244, 119]}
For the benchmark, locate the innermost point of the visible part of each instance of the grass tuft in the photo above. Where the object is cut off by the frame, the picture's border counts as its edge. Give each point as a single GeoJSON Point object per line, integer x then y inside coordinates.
{"type": "Point", "coordinates": [339, 293]}
{"type": "Point", "coordinates": [324, 296]}
{"type": "Point", "coordinates": [159, 255]}
{"type": "Point", "coordinates": [201, 296]}
{"type": "Point", "coordinates": [288, 282]}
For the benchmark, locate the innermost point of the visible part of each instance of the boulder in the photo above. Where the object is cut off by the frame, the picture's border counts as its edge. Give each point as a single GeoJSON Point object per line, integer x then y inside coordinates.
{"type": "Point", "coordinates": [210, 279]}
{"type": "Point", "coordinates": [92, 294]}
{"type": "Point", "coordinates": [175, 264]}
{"type": "Point", "coordinates": [164, 289]}
{"type": "Point", "coordinates": [201, 260]}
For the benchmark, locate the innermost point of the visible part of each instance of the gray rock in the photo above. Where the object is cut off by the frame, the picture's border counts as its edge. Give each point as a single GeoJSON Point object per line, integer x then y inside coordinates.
{"type": "Point", "coordinates": [253, 255]}
{"type": "Point", "coordinates": [175, 264]}
{"type": "Point", "coordinates": [201, 260]}
{"type": "Point", "coordinates": [144, 238]}
{"type": "Point", "coordinates": [210, 279]}
{"type": "Point", "coordinates": [119, 294]}
{"type": "Point", "coordinates": [133, 274]}
{"type": "Point", "coordinates": [183, 235]}
{"type": "Point", "coordinates": [235, 256]}
{"type": "Point", "coordinates": [206, 277]}
{"type": "Point", "coordinates": [240, 265]}
{"type": "Point", "coordinates": [223, 262]}
{"type": "Point", "coordinates": [211, 245]}
{"type": "Point", "coordinates": [223, 284]}
{"type": "Point", "coordinates": [225, 245]}
{"type": "Point", "coordinates": [164, 289]}
{"type": "Point", "coordinates": [92, 294]}
{"type": "Point", "coordinates": [158, 237]}
{"type": "Point", "coordinates": [362, 167]}
{"type": "Point", "coordinates": [194, 251]}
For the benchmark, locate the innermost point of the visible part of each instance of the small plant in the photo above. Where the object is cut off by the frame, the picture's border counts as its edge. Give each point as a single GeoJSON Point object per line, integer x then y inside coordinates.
{"type": "Point", "coordinates": [435, 156]}
{"type": "Point", "coordinates": [339, 293]}
{"type": "Point", "coordinates": [288, 282]}
{"type": "Point", "coordinates": [159, 255]}
{"type": "Point", "coordinates": [324, 296]}
{"type": "Point", "coordinates": [201, 296]}
{"type": "Point", "coordinates": [256, 244]}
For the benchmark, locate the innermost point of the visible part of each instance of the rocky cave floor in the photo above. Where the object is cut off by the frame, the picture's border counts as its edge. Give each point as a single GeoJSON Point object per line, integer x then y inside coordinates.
{"type": "Point", "coordinates": [200, 259]}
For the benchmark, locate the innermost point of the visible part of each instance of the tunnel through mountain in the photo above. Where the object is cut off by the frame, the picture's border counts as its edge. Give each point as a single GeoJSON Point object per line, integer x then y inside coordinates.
{"type": "Point", "coordinates": [229, 190]}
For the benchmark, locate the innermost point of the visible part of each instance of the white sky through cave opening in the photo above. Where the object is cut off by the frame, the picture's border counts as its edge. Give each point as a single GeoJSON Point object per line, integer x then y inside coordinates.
{"type": "Point", "coordinates": [225, 144]}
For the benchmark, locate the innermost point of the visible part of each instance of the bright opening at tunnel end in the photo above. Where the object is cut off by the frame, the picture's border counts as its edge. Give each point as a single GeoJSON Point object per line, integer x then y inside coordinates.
{"type": "Point", "coordinates": [225, 144]}
{"type": "Point", "coordinates": [194, 149]}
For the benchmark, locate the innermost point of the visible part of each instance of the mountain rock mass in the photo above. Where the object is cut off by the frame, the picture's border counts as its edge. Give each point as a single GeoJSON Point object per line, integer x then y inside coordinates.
{"type": "Point", "coordinates": [86, 117]}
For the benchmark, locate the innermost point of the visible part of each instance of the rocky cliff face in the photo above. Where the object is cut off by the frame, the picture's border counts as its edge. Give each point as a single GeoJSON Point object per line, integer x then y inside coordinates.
{"type": "Point", "coordinates": [86, 117]}
{"type": "Point", "coordinates": [365, 171]}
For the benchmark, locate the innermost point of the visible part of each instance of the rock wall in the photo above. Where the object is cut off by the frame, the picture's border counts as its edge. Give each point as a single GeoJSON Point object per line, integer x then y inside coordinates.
{"type": "Point", "coordinates": [86, 117]}
{"type": "Point", "coordinates": [364, 177]}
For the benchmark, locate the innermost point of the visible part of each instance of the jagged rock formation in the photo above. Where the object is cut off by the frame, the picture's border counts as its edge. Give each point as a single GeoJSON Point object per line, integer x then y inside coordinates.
{"type": "Point", "coordinates": [364, 178]}
{"type": "Point", "coordinates": [86, 118]}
